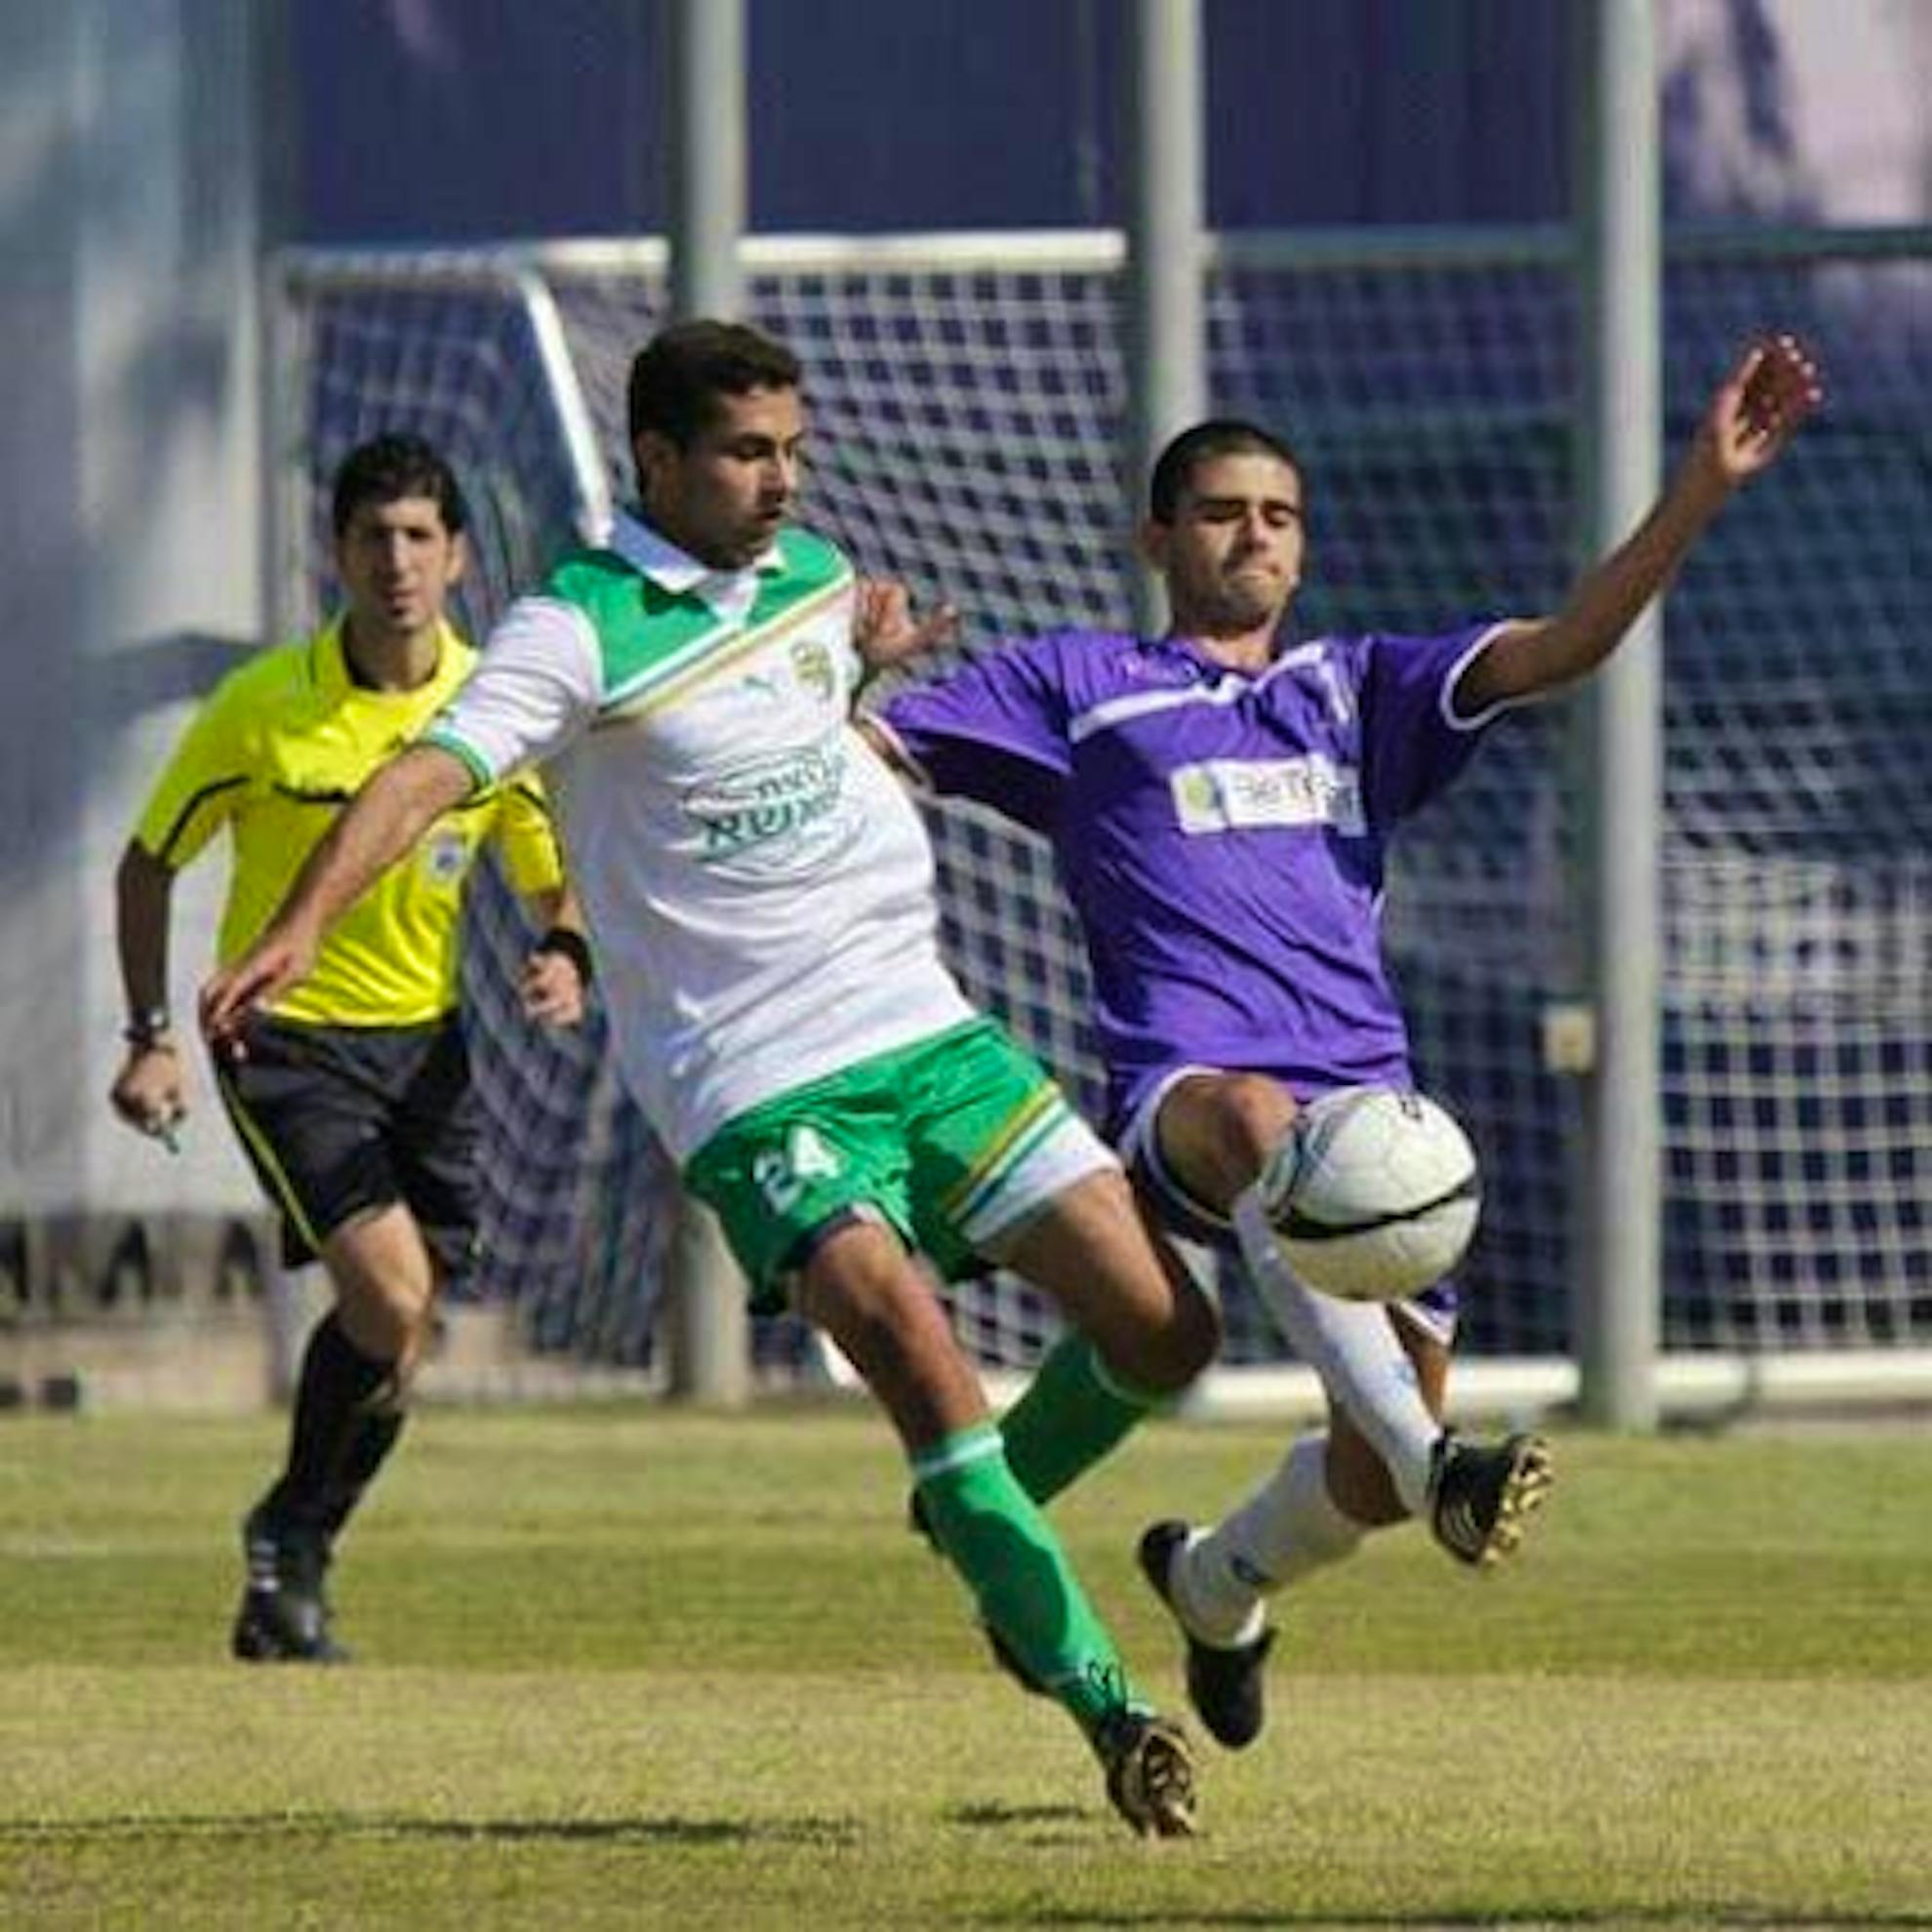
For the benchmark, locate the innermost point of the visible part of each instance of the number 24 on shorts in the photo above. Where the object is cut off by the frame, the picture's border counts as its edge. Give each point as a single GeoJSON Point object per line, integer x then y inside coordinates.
{"type": "Point", "coordinates": [782, 1174]}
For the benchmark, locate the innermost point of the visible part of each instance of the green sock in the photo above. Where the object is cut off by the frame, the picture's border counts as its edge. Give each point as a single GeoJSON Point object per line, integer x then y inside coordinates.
{"type": "Point", "coordinates": [1072, 1412]}
{"type": "Point", "coordinates": [1012, 1561]}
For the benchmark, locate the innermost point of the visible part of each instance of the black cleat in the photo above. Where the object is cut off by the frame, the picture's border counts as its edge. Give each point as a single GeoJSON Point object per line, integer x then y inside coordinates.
{"type": "Point", "coordinates": [283, 1613]}
{"type": "Point", "coordinates": [1479, 1494]}
{"type": "Point", "coordinates": [916, 1516]}
{"type": "Point", "coordinates": [1224, 1681]}
{"type": "Point", "coordinates": [1149, 1772]}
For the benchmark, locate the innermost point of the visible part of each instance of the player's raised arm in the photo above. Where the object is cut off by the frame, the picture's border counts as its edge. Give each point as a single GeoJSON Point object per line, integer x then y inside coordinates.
{"type": "Point", "coordinates": [1755, 412]}
{"type": "Point", "coordinates": [385, 817]}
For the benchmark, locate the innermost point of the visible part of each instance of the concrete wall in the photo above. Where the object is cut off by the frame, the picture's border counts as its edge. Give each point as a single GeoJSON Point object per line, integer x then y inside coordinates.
{"type": "Point", "coordinates": [128, 537]}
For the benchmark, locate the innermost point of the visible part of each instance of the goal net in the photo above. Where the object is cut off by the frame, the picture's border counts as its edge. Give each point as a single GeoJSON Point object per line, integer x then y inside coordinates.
{"type": "Point", "coordinates": [969, 396]}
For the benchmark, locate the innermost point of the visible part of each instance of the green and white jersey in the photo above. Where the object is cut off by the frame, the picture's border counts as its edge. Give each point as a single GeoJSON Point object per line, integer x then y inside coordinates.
{"type": "Point", "coordinates": [757, 884]}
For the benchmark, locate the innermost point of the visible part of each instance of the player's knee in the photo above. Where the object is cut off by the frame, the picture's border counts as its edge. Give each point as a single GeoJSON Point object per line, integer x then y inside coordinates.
{"type": "Point", "coordinates": [390, 1320]}
{"type": "Point", "coordinates": [1216, 1132]}
{"type": "Point", "coordinates": [1256, 1111]}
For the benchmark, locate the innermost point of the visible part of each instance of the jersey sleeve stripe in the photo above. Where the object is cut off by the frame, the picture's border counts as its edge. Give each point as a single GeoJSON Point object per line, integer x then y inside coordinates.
{"type": "Point", "coordinates": [179, 825]}
{"type": "Point", "coordinates": [441, 739]}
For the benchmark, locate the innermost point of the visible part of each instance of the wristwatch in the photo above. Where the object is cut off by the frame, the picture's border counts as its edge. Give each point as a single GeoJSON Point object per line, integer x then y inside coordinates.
{"type": "Point", "coordinates": [149, 1027]}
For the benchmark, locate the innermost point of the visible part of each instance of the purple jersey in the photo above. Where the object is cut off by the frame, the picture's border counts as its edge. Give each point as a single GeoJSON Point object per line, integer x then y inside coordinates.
{"type": "Point", "coordinates": [1222, 836]}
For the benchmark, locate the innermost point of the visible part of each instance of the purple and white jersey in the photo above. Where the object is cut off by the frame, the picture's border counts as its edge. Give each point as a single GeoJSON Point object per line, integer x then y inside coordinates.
{"type": "Point", "coordinates": [1223, 835]}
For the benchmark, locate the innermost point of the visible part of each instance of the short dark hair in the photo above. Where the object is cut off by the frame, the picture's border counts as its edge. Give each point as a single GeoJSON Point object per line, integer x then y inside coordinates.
{"type": "Point", "coordinates": [1221, 435]}
{"type": "Point", "coordinates": [678, 375]}
{"type": "Point", "coordinates": [388, 467]}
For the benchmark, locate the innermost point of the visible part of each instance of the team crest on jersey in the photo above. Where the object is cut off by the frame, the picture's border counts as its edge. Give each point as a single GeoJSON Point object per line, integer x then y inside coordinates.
{"type": "Point", "coordinates": [812, 665]}
{"type": "Point", "coordinates": [445, 855]}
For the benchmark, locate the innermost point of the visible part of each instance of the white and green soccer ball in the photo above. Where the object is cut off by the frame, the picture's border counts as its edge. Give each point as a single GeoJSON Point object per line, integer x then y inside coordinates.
{"type": "Point", "coordinates": [1375, 1194]}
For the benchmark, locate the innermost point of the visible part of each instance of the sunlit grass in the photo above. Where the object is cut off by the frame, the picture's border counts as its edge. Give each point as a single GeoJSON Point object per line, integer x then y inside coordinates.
{"type": "Point", "coordinates": [630, 1667]}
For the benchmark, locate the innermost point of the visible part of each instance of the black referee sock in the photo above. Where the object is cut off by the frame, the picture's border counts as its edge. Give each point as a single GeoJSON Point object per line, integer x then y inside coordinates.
{"type": "Point", "coordinates": [334, 1433]}
{"type": "Point", "coordinates": [375, 1433]}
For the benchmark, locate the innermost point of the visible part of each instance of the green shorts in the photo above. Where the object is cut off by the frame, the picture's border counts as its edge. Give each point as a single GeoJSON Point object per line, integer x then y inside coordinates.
{"type": "Point", "coordinates": [951, 1142]}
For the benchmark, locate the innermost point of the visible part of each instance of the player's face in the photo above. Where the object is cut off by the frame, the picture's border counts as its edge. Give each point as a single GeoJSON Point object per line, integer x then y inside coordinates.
{"type": "Point", "coordinates": [398, 562]}
{"type": "Point", "coordinates": [726, 495]}
{"type": "Point", "coordinates": [1232, 555]}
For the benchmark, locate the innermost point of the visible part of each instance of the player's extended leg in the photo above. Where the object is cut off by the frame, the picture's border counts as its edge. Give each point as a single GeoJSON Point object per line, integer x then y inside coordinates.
{"type": "Point", "coordinates": [1370, 1377]}
{"type": "Point", "coordinates": [1313, 1510]}
{"type": "Point", "coordinates": [1142, 1330]}
{"type": "Point", "coordinates": [1214, 1137]}
{"type": "Point", "coordinates": [347, 1415]}
{"type": "Point", "coordinates": [859, 1284]}
{"type": "Point", "coordinates": [1385, 1373]}
{"type": "Point", "coordinates": [1384, 1456]}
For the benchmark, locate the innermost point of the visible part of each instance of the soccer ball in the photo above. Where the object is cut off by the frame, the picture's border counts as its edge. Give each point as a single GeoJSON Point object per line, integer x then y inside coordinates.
{"type": "Point", "coordinates": [1376, 1195]}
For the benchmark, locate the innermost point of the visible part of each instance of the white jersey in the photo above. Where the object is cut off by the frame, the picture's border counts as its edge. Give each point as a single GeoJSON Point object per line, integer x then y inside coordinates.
{"type": "Point", "coordinates": [757, 884]}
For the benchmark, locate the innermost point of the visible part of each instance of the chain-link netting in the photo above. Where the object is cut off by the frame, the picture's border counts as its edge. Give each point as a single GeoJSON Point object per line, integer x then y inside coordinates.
{"type": "Point", "coordinates": [969, 403]}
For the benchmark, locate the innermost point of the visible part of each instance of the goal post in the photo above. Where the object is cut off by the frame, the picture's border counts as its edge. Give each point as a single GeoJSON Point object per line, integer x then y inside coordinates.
{"type": "Point", "coordinates": [970, 397]}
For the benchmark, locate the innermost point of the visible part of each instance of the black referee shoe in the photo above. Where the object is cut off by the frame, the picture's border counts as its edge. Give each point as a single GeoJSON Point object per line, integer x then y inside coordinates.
{"type": "Point", "coordinates": [283, 1613]}
{"type": "Point", "coordinates": [1224, 1681]}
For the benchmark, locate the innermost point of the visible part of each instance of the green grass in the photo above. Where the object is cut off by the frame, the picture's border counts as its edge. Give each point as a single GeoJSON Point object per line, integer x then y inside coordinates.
{"type": "Point", "coordinates": [626, 1667]}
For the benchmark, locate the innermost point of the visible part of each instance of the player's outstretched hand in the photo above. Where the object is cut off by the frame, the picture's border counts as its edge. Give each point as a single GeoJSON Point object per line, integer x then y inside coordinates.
{"type": "Point", "coordinates": [550, 988]}
{"type": "Point", "coordinates": [275, 961]}
{"type": "Point", "coordinates": [1759, 407]}
{"type": "Point", "coordinates": [886, 632]}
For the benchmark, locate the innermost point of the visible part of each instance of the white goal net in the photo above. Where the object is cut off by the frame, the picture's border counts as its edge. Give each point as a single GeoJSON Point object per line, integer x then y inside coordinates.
{"type": "Point", "coordinates": [969, 405]}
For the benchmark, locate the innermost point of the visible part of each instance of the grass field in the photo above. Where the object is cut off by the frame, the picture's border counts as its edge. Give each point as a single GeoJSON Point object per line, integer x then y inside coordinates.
{"type": "Point", "coordinates": [626, 1667]}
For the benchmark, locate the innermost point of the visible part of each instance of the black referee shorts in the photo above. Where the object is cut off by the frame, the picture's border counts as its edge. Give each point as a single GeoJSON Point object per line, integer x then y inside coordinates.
{"type": "Point", "coordinates": [340, 1120]}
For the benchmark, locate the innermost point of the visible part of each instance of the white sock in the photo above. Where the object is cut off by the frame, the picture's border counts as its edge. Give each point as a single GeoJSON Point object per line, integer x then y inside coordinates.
{"type": "Point", "coordinates": [1353, 1347]}
{"type": "Point", "coordinates": [1286, 1529]}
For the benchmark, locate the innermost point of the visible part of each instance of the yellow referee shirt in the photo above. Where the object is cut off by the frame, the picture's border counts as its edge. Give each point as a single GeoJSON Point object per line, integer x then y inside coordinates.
{"type": "Point", "coordinates": [280, 747]}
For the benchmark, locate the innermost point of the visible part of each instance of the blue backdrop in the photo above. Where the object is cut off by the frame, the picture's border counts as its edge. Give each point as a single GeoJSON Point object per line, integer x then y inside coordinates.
{"type": "Point", "coordinates": [873, 114]}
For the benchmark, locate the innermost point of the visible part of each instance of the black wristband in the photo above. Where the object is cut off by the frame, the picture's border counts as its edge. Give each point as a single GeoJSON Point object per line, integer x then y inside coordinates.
{"type": "Point", "coordinates": [574, 946]}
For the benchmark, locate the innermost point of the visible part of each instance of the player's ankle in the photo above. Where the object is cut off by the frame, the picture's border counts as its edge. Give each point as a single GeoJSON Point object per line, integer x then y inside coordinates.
{"type": "Point", "coordinates": [1219, 1598]}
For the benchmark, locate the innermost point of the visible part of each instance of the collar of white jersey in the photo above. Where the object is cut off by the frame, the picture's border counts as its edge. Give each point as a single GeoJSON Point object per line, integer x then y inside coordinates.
{"type": "Point", "coordinates": [653, 554]}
